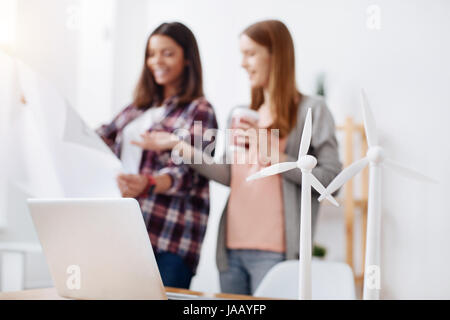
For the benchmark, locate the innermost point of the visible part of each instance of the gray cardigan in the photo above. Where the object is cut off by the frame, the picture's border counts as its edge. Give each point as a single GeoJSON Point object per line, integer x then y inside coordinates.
{"type": "Point", "coordinates": [323, 147]}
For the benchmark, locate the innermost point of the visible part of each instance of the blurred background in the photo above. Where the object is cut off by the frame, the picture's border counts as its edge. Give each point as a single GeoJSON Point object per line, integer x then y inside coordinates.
{"type": "Point", "coordinates": [92, 52]}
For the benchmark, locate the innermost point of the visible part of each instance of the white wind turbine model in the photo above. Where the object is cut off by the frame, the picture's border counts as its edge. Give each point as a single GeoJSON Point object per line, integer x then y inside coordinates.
{"type": "Point", "coordinates": [305, 163]}
{"type": "Point", "coordinates": [376, 159]}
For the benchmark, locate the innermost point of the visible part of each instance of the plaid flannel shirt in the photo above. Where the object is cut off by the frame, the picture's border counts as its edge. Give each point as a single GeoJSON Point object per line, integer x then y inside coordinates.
{"type": "Point", "coordinates": [176, 219]}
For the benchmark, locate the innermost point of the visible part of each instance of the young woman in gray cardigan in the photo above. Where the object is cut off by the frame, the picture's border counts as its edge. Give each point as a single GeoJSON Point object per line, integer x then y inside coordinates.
{"type": "Point", "coordinates": [265, 238]}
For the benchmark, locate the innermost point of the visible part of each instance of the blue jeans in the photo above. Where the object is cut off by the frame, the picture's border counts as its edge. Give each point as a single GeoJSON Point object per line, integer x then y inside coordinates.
{"type": "Point", "coordinates": [174, 271]}
{"type": "Point", "coordinates": [246, 269]}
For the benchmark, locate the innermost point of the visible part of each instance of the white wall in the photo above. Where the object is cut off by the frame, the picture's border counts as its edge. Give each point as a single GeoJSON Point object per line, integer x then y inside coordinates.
{"type": "Point", "coordinates": [131, 32]}
{"type": "Point", "coordinates": [403, 66]}
{"type": "Point", "coordinates": [95, 77]}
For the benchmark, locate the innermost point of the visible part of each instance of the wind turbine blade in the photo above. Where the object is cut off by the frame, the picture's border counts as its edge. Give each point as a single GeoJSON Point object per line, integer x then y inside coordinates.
{"type": "Point", "coordinates": [274, 169]}
{"type": "Point", "coordinates": [306, 135]}
{"type": "Point", "coordinates": [345, 175]}
{"type": "Point", "coordinates": [321, 189]}
{"type": "Point", "coordinates": [369, 121]}
{"type": "Point", "coordinates": [407, 172]}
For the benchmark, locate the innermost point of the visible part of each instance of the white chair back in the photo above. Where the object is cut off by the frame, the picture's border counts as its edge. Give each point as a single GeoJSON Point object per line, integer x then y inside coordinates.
{"type": "Point", "coordinates": [330, 281]}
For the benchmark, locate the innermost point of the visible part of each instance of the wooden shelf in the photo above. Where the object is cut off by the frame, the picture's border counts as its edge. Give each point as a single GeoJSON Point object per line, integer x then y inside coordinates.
{"type": "Point", "coordinates": [349, 201]}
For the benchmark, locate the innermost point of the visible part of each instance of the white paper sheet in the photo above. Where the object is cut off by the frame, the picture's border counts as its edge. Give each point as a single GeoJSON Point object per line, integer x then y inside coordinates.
{"type": "Point", "coordinates": [53, 152]}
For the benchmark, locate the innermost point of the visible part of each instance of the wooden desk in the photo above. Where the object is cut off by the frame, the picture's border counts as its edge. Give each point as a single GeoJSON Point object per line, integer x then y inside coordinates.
{"type": "Point", "coordinates": [51, 294]}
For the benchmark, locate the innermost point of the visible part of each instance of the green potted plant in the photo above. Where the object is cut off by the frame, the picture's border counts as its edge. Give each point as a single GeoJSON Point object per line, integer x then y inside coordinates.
{"type": "Point", "coordinates": [319, 251]}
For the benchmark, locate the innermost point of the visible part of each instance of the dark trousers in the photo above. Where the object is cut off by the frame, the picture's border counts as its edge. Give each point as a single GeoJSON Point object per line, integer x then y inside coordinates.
{"type": "Point", "coordinates": [174, 271]}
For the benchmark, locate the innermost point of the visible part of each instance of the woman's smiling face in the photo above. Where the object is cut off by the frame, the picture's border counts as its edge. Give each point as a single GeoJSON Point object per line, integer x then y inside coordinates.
{"type": "Point", "coordinates": [256, 61]}
{"type": "Point", "coordinates": [165, 60]}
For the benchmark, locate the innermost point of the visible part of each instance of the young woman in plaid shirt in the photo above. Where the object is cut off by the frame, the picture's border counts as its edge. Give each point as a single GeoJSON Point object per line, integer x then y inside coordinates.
{"type": "Point", "coordinates": [174, 199]}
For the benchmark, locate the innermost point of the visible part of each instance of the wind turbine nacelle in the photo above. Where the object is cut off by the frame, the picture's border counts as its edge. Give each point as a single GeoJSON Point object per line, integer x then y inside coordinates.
{"type": "Point", "coordinates": [307, 162]}
{"type": "Point", "coordinates": [376, 154]}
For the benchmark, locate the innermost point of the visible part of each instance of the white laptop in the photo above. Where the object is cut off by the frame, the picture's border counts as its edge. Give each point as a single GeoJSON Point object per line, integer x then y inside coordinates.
{"type": "Point", "coordinates": [98, 249]}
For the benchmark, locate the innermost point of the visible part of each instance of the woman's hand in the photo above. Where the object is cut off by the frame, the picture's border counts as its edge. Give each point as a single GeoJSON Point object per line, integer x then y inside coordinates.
{"type": "Point", "coordinates": [243, 130]}
{"type": "Point", "coordinates": [131, 185]}
{"type": "Point", "coordinates": [264, 145]}
{"type": "Point", "coordinates": [157, 141]}
{"type": "Point", "coordinates": [245, 123]}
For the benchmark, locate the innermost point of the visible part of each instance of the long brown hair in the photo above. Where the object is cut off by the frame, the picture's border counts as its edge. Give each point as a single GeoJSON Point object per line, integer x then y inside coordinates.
{"type": "Point", "coordinates": [275, 36]}
{"type": "Point", "coordinates": [148, 92]}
